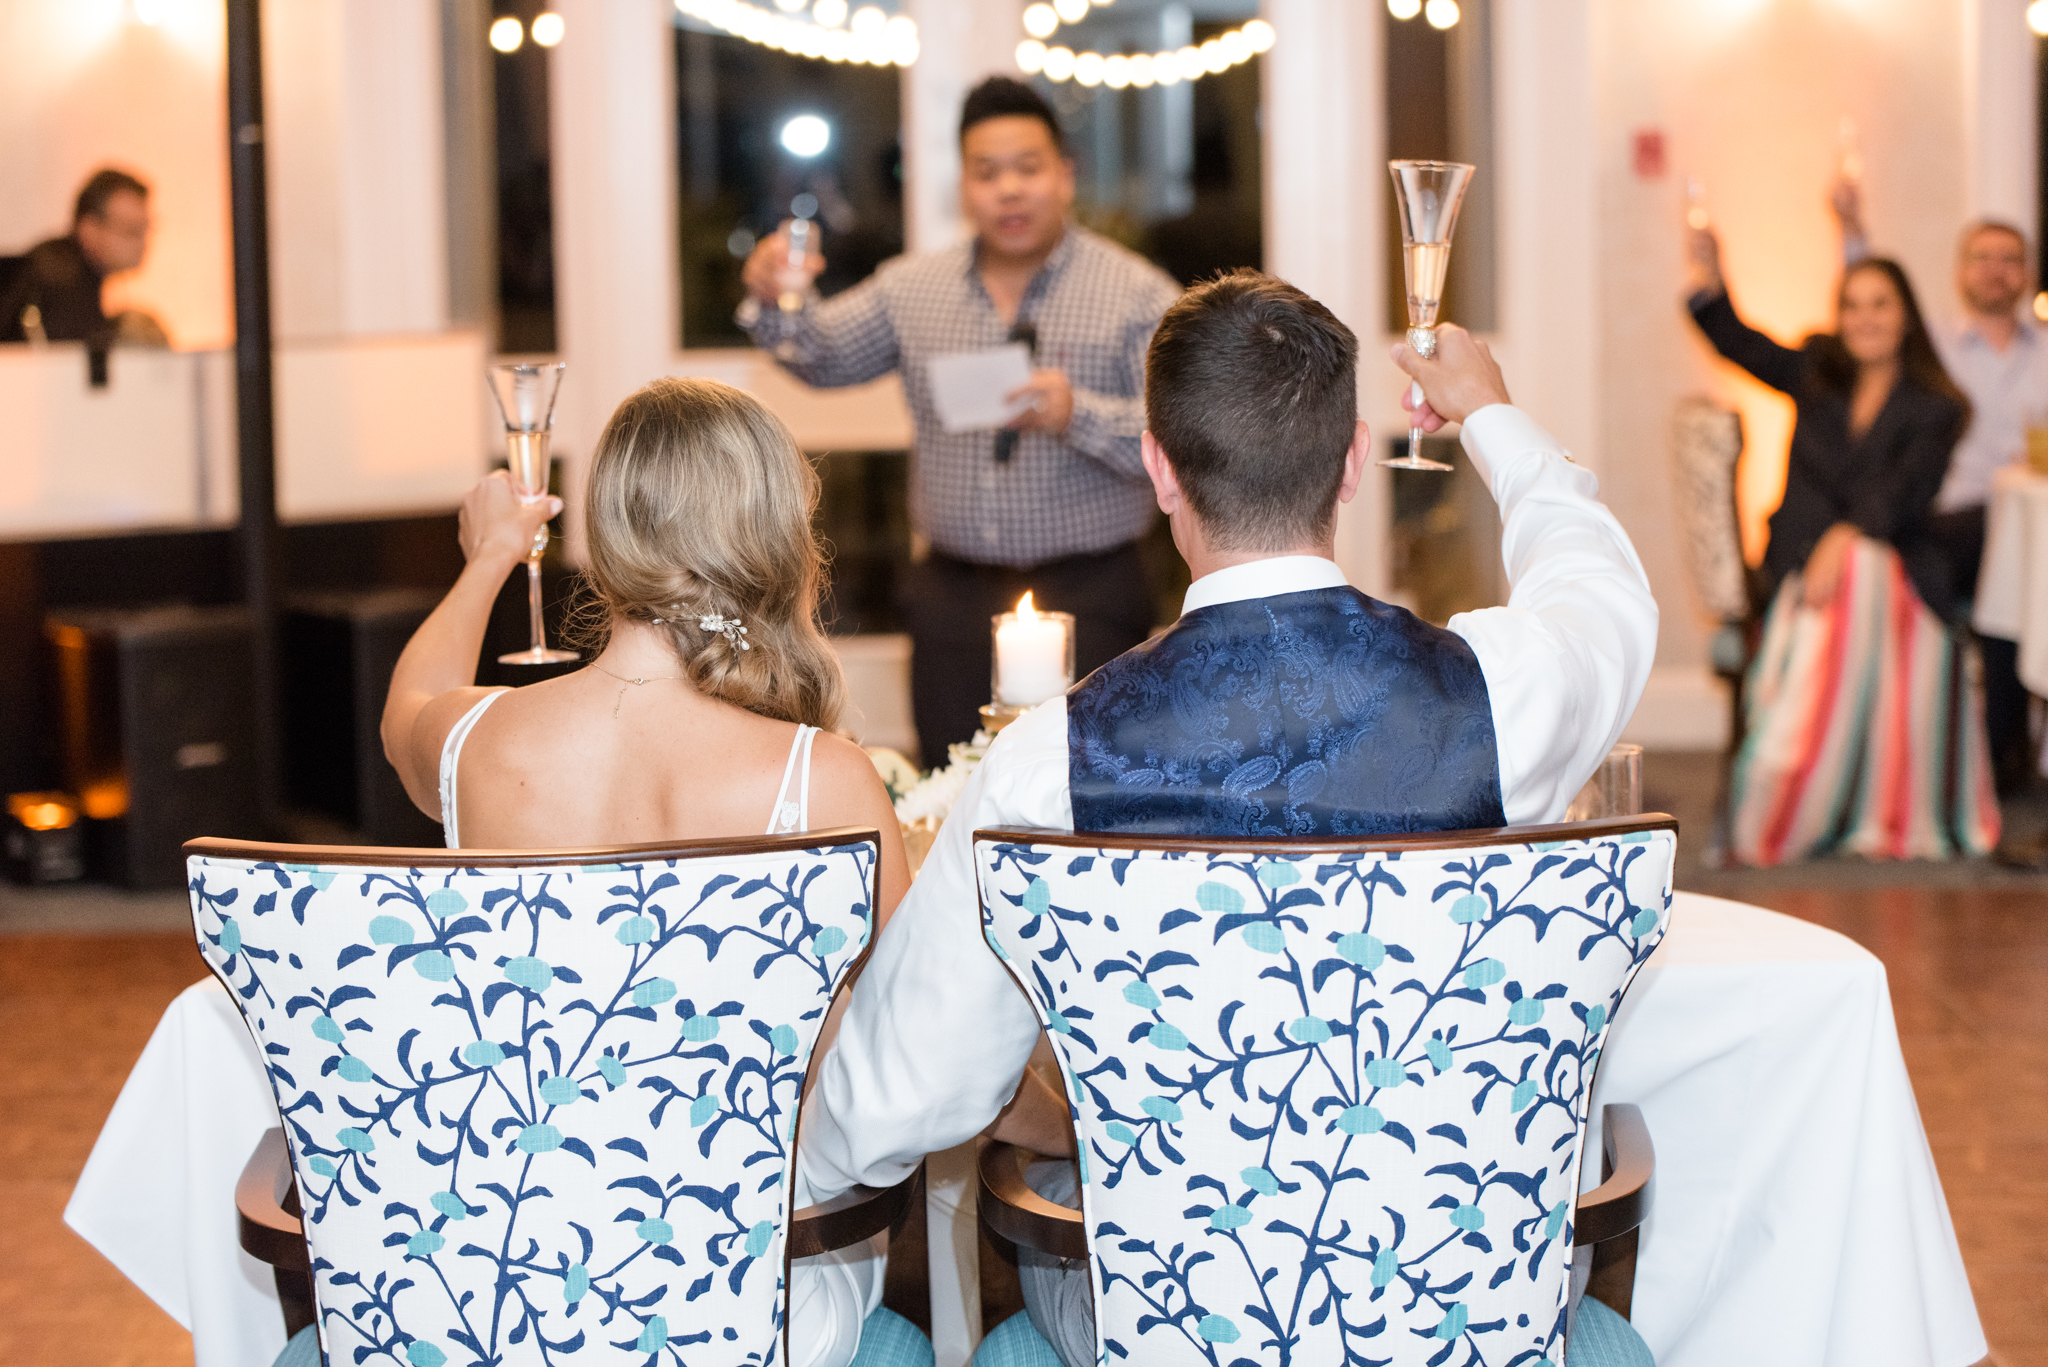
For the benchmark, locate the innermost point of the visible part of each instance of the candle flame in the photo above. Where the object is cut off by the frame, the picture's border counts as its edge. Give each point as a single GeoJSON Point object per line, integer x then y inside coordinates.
{"type": "Point", "coordinates": [1025, 612]}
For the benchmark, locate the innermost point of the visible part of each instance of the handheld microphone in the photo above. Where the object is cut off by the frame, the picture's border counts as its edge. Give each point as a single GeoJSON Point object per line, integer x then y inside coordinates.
{"type": "Point", "coordinates": [1025, 331]}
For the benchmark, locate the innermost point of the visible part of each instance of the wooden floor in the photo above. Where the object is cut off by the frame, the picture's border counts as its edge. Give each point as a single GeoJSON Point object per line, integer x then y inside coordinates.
{"type": "Point", "coordinates": [1969, 976]}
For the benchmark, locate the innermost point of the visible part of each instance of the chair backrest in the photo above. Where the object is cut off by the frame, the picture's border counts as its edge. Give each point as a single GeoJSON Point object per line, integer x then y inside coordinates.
{"type": "Point", "coordinates": [540, 1103]}
{"type": "Point", "coordinates": [1330, 1097]}
{"type": "Point", "coordinates": [1706, 443]}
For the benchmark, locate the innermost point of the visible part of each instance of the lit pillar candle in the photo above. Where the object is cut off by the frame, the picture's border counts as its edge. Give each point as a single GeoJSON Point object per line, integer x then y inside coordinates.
{"type": "Point", "coordinates": [1034, 655]}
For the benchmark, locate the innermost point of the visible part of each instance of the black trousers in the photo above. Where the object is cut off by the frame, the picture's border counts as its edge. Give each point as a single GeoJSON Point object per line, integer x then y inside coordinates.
{"type": "Point", "coordinates": [947, 604]}
{"type": "Point", "coordinates": [1961, 536]}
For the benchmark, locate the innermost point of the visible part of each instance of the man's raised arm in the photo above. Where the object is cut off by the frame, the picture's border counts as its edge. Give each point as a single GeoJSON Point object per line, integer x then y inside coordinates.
{"type": "Point", "coordinates": [1567, 658]}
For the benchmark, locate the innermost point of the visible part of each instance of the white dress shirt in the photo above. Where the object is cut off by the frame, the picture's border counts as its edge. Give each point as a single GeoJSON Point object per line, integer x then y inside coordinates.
{"type": "Point", "coordinates": [937, 1034]}
{"type": "Point", "coordinates": [2008, 390]}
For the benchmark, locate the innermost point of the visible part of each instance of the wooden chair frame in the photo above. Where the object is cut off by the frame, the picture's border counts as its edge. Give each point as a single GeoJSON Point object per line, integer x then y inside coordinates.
{"type": "Point", "coordinates": [1608, 1219]}
{"type": "Point", "coordinates": [269, 1217]}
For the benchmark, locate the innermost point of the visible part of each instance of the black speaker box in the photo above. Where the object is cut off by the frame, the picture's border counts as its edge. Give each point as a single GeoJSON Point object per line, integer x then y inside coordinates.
{"type": "Point", "coordinates": [339, 651]}
{"type": "Point", "coordinates": [156, 737]}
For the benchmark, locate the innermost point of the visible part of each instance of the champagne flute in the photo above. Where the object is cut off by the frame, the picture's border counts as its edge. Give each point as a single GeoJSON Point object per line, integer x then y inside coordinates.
{"type": "Point", "coordinates": [802, 232]}
{"type": "Point", "coordinates": [526, 402]}
{"type": "Point", "coordinates": [1427, 195]}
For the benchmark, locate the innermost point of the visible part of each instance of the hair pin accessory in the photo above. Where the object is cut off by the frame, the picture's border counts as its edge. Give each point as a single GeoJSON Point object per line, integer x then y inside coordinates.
{"type": "Point", "coordinates": [728, 627]}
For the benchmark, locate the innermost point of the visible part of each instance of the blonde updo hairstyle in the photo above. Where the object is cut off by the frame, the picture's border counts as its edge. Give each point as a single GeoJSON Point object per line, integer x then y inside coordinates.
{"type": "Point", "coordinates": [700, 506]}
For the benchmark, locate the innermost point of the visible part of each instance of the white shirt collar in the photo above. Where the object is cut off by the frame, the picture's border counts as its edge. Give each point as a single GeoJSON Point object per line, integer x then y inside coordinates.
{"type": "Point", "coordinates": [1263, 579]}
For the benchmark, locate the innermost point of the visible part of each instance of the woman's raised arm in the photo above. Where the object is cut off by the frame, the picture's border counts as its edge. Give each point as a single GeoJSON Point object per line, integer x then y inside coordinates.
{"type": "Point", "coordinates": [434, 683]}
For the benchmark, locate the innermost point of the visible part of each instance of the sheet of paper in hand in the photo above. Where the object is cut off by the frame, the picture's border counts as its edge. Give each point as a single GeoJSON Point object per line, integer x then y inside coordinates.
{"type": "Point", "coordinates": [968, 387]}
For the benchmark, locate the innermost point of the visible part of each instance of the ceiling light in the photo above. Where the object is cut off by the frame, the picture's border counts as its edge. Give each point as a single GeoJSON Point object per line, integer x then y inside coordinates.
{"type": "Point", "coordinates": [806, 136]}
{"type": "Point", "coordinates": [506, 34]}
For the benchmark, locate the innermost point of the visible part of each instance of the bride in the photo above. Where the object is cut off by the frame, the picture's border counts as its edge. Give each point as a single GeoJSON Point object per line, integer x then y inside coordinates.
{"type": "Point", "coordinates": [706, 712]}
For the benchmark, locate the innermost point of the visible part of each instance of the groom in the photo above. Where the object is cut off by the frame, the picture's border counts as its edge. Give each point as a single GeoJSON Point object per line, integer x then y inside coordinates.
{"type": "Point", "coordinates": [1283, 702]}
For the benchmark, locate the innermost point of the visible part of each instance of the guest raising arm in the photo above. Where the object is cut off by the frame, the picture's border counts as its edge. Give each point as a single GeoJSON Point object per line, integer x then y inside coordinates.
{"type": "Point", "coordinates": [1836, 756]}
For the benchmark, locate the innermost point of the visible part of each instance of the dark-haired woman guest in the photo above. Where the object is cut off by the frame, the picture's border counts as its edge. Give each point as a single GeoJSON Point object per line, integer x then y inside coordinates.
{"type": "Point", "coordinates": [1865, 735]}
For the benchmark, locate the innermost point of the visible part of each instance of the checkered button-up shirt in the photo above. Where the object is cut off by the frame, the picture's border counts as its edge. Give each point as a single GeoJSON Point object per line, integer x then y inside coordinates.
{"type": "Point", "coordinates": [1094, 305]}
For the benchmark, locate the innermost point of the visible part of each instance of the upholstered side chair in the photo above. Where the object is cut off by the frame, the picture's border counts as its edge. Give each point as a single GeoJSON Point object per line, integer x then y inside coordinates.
{"type": "Point", "coordinates": [1331, 1098]}
{"type": "Point", "coordinates": [538, 1105]}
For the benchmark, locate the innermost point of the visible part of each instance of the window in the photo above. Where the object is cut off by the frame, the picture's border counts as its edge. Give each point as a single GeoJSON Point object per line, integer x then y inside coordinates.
{"type": "Point", "coordinates": [1172, 171]}
{"type": "Point", "coordinates": [1439, 92]}
{"type": "Point", "coordinates": [743, 165]}
{"type": "Point", "coordinates": [526, 216]}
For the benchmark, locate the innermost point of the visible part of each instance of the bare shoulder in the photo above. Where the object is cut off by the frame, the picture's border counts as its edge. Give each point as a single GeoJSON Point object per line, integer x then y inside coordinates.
{"type": "Point", "coordinates": [845, 789]}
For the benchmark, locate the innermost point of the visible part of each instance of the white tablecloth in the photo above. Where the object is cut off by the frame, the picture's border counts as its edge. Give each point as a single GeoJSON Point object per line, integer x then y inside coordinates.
{"type": "Point", "coordinates": [1798, 1219]}
{"type": "Point", "coordinates": [2012, 587]}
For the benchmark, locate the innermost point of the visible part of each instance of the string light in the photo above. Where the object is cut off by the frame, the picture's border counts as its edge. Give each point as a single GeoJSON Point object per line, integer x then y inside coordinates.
{"type": "Point", "coordinates": [1041, 20]}
{"type": "Point", "coordinates": [1070, 11]}
{"type": "Point", "coordinates": [1404, 10]}
{"type": "Point", "coordinates": [872, 38]}
{"type": "Point", "coordinates": [507, 34]}
{"type": "Point", "coordinates": [548, 28]}
{"type": "Point", "coordinates": [2037, 17]}
{"type": "Point", "coordinates": [1442, 14]}
{"type": "Point", "coordinates": [1146, 69]}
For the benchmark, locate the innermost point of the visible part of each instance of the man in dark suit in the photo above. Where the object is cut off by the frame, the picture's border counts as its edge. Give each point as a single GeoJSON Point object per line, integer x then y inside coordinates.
{"type": "Point", "coordinates": [55, 293]}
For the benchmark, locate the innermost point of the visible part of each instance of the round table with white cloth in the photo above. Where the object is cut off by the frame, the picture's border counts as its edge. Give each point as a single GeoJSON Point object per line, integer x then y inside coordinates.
{"type": "Point", "coordinates": [1798, 1218]}
{"type": "Point", "coordinates": [2012, 585]}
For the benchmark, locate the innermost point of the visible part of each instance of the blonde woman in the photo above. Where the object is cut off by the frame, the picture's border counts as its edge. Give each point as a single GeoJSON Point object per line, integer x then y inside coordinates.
{"type": "Point", "coordinates": [707, 710]}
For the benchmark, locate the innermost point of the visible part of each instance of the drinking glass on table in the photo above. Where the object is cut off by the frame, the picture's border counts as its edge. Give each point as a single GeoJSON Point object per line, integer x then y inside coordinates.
{"type": "Point", "coordinates": [526, 402]}
{"type": "Point", "coordinates": [1616, 788]}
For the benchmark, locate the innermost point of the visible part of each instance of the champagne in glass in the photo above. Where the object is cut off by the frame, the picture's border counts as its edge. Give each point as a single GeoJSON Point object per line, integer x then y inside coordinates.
{"type": "Point", "coordinates": [1427, 195]}
{"type": "Point", "coordinates": [526, 402]}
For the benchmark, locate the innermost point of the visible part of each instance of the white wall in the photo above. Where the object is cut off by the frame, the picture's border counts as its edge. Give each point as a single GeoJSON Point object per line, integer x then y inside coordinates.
{"type": "Point", "coordinates": [352, 103]}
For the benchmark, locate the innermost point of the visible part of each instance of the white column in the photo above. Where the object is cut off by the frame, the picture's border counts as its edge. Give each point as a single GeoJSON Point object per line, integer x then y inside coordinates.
{"type": "Point", "coordinates": [1325, 206]}
{"type": "Point", "coordinates": [357, 191]}
{"type": "Point", "coordinates": [960, 42]}
{"type": "Point", "coordinates": [612, 108]}
{"type": "Point", "coordinates": [1999, 94]}
{"type": "Point", "coordinates": [1548, 230]}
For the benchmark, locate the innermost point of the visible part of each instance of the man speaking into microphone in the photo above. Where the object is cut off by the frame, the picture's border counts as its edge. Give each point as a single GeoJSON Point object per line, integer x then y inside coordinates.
{"type": "Point", "coordinates": [1056, 501]}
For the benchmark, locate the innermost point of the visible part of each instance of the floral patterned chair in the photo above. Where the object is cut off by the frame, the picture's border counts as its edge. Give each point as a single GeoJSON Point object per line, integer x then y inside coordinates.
{"type": "Point", "coordinates": [538, 1106]}
{"type": "Point", "coordinates": [1330, 1098]}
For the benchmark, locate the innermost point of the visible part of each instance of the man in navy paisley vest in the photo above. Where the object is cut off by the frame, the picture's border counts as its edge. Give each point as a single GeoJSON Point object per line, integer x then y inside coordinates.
{"type": "Point", "coordinates": [1283, 702]}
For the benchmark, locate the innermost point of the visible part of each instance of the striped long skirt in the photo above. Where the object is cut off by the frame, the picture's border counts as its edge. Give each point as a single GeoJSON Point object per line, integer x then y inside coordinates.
{"type": "Point", "coordinates": [1865, 728]}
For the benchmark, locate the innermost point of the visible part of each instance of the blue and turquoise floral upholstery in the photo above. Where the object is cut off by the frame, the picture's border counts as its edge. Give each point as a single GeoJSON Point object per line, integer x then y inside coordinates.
{"type": "Point", "coordinates": [1330, 1104]}
{"type": "Point", "coordinates": [541, 1113]}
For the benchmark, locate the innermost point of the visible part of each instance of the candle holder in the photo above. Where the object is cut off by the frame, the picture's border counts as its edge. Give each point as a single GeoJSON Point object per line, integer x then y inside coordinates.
{"type": "Point", "coordinates": [1033, 660]}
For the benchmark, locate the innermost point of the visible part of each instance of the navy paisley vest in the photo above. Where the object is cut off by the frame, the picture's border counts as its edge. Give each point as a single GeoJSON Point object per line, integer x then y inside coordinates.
{"type": "Point", "coordinates": [1317, 713]}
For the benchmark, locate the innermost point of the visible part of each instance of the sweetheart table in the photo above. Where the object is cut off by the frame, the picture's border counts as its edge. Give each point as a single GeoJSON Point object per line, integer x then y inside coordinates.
{"type": "Point", "coordinates": [1797, 1220]}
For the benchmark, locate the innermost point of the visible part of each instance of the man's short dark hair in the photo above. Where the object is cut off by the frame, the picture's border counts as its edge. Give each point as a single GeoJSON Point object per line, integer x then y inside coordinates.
{"type": "Point", "coordinates": [104, 185]}
{"type": "Point", "coordinates": [1000, 97]}
{"type": "Point", "coordinates": [1978, 227]}
{"type": "Point", "coordinates": [1251, 388]}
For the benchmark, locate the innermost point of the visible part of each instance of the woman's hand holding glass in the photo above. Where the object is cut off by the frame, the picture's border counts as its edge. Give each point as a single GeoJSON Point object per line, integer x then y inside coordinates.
{"type": "Point", "coordinates": [495, 526]}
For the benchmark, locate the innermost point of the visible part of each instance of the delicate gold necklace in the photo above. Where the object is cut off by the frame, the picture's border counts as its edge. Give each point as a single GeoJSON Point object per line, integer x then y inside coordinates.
{"type": "Point", "coordinates": [625, 683]}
